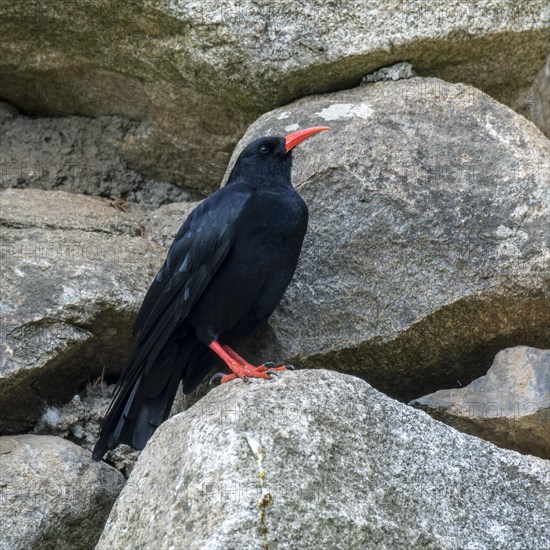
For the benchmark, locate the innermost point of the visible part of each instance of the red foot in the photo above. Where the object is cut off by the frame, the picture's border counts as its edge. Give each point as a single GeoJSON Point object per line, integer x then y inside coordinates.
{"type": "Point", "coordinates": [240, 367]}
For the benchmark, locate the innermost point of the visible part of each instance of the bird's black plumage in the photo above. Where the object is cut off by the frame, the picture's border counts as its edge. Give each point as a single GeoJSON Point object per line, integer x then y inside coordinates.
{"type": "Point", "coordinates": [226, 271]}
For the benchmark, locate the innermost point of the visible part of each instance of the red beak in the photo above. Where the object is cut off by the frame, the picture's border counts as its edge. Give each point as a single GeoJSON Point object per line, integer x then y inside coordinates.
{"type": "Point", "coordinates": [297, 137]}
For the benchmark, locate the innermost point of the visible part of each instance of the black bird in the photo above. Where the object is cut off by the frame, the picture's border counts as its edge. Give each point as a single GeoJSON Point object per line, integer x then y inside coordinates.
{"type": "Point", "coordinates": [225, 273]}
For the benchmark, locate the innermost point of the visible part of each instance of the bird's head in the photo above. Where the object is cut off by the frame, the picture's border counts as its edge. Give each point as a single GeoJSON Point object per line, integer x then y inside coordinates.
{"type": "Point", "coordinates": [267, 161]}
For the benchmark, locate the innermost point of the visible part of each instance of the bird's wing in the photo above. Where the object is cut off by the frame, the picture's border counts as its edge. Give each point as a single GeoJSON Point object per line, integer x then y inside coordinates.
{"type": "Point", "coordinates": [201, 242]}
{"type": "Point", "coordinates": [201, 245]}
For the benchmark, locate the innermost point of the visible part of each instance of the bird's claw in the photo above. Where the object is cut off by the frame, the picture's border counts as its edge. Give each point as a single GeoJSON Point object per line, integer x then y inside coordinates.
{"type": "Point", "coordinates": [224, 378]}
{"type": "Point", "coordinates": [278, 366]}
{"type": "Point", "coordinates": [215, 377]}
{"type": "Point", "coordinates": [276, 371]}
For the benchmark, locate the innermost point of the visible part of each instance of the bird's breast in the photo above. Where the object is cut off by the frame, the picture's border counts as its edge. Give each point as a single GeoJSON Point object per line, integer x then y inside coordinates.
{"type": "Point", "coordinates": [275, 217]}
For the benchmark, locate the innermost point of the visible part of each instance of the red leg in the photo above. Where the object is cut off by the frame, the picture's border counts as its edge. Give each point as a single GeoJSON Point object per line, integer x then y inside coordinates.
{"type": "Point", "coordinates": [239, 366]}
{"type": "Point", "coordinates": [239, 359]}
{"type": "Point", "coordinates": [235, 355]}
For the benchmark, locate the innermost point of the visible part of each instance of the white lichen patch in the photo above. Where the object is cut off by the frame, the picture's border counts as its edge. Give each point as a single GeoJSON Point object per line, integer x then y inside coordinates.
{"type": "Point", "coordinates": [291, 127]}
{"type": "Point", "coordinates": [338, 111]}
{"type": "Point", "coordinates": [256, 448]}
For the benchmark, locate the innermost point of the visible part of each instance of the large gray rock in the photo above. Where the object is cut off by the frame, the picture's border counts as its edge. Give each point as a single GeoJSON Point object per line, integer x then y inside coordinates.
{"type": "Point", "coordinates": [427, 250]}
{"type": "Point", "coordinates": [75, 154]}
{"type": "Point", "coordinates": [74, 271]}
{"type": "Point", "coordinates": [509, 406]}
{"type": "Point", "coordinates": [317, 459]}
{"type": "Point", "coordinates": [52, 495]}
{"type": "Point", "coordinates": [195, 73]}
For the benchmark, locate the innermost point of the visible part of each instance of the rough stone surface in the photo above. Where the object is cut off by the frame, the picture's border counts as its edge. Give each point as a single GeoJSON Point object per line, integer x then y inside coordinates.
{"type": "Point", "coordinates": [427, 250]}
{"type": "Point", "coordinates": [399, 71]}
{"type": "Point", "coordinates": [72, 281]}
{"type": "Point", "coordinates": [80, 420]}
{"type": "Point", "coordinates": [75, 154]}
{"type": "Point", "coordinates": [52, 495]}
{"type": "Point", "coordinates": [28, 208]}
{"type": "Point", "coordinates": [317, 459]}
{"type": "Point", "coordinates": [195, 73]}
{"type": "Point", "coordinates": [509, 406]}
{"type": "Point", "coordinates": [535, 103]}
{"type": "Point", "coordinates": [163, 224]}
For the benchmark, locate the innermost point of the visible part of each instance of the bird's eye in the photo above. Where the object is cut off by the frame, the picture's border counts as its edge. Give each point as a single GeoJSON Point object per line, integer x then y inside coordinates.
{"type": "Point", "coordinates": [264, 149]}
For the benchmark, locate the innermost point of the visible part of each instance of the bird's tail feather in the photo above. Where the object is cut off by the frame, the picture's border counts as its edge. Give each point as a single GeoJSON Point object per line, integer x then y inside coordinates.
{"type": "Point", "coordinates": [143, 404]}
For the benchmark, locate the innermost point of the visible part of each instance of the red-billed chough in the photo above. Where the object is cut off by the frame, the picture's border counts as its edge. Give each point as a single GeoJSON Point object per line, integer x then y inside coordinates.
{"type": "Point", "coordinates": [225, 273]}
